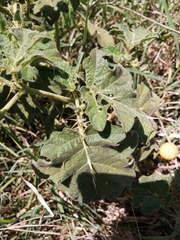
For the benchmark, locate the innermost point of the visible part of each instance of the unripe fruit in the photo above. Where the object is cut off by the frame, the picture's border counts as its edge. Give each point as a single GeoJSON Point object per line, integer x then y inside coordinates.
{"type": "Point", "coordinates": [168, 151]}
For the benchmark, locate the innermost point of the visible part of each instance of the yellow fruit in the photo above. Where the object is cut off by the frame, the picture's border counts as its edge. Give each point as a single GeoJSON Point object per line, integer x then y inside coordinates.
{"type": "Point", "coordinates": [168, 151]}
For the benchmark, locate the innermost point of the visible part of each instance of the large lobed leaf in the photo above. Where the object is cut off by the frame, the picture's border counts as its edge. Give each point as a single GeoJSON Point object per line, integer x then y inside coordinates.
{"type": "Point", "coordinates": [113, 87]}
{"type": "Point", "coordinates": [22, 46]}
{"type": "Point", "coordinates": [70, 170]}
{"type": "Point", "coordinates": [132, 38]}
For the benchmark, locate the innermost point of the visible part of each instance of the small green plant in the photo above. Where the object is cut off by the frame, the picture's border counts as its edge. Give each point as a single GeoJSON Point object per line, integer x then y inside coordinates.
{"type": "Point", "coordinates": [89, 158]}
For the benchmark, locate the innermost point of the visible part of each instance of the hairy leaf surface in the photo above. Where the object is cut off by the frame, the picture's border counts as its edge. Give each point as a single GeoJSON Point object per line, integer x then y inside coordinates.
{"type": "Point", "coordinates": [22, 46]}
{"type": "Point", "coordinates": [134, 37]}
{"type": "Point", "coordinates": [113, 87]}
{"type": "Point", "coordinates": [70, 170]}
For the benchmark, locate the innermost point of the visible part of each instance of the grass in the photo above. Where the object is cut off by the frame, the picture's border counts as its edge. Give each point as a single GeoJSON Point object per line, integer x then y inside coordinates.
{"type": "Point", "coordinates": [23, 213]}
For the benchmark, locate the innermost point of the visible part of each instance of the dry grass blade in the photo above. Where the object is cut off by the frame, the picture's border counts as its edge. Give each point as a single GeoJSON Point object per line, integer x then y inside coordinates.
{"type": "Point", "coordinates": [40, 198]}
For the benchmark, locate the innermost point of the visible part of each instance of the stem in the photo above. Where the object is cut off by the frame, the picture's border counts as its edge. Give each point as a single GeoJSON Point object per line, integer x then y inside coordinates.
{"type": "Point", "coordinates": [89, 163]}
{"type": "Point", "coordinates": [43, 93]}
{"type": "Point", "coordinates": [11, 102]}
{"type": "Point", "coordinates": [24, 89]}
{"type": "Point", "coordinates": [7, 82]}
{"type": "Point", "coordinates": [81, 131]}
{"type": "Point", "coordinates": [57, 36]}
{"type": "Point", "coordinates": [28, 9]}
{"type": "Point", "coordinates": [85, 28]}
{"type": "Point", "coordinates": [105, 13]}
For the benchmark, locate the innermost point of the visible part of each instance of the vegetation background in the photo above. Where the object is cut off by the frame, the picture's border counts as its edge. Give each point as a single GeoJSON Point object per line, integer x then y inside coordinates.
{"type": "Point", "coordinates": [59, 40]}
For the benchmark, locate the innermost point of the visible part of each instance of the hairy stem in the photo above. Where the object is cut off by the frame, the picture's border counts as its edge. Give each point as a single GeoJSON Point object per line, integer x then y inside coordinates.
{"type": "Point", "coordinates": [85, 146]}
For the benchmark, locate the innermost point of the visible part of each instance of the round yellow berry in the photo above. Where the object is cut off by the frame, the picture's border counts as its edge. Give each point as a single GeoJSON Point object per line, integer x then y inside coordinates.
{"type": "Point", "coordinates": [168, 151]}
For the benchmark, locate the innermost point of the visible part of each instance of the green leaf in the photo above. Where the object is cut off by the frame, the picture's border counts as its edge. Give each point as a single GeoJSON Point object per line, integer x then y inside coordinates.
{"type": "Point", "coordinates": [105, 87]}
{"type": "Point", "coordinates": [60, 142]}
{"type": "Point", "coordinates": [97, 112]}
{"type": "Point", "coordinates": [49, 51]}
{"type": "Point", "coordinates": [23, 46]}
{"type": "Point", "coordinates": [134, 37]}
{"type": "Point", "coordinates": [66, 77]}
{"type": "Point", "coordinates": [57, 148]}
{"type": "Point", "coordinates": [24, 39]}
{"type": "Point", "coordinates": [69, 168]}
{"type": "Point", "coordinates": [103, 36]}
{"type": "Point", "coordinates": [147, 100]}
{"type": "Point", "coordinates": [111, 135]}
{"type": "Point", "coordinates": [106, 84]}
{"type": "Point", "coordinates": [148, 103]}
{"type": "Point", "coordinates": [119, 53]}
{"type": "Point", "coordinates": [96, 68]}
{"type": "Point", "coordinates": [29, 73]}
{"type": "Point", "coordinates": [152, 193]}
